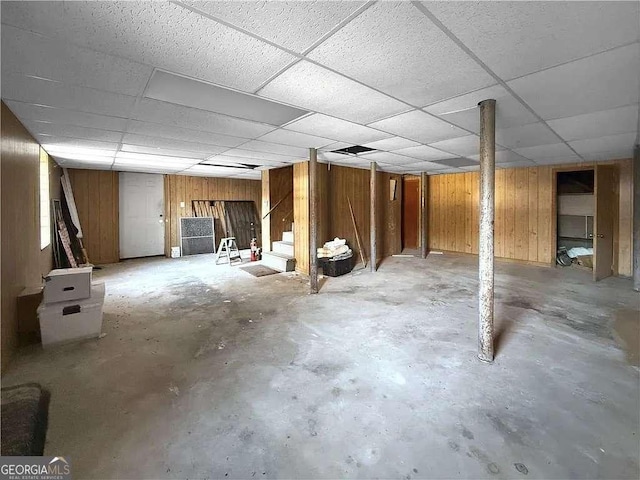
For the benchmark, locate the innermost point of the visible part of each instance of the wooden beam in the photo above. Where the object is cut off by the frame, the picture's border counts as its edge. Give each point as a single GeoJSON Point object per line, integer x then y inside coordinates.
{"type": "Point", "coordinates": [424, 224]}
{"type": "Point", "coordinates": [487, 207]}
{"type": "Point", "coordinates": [313, 219]}
{"type": "Point", "coordinates": [373, 217]}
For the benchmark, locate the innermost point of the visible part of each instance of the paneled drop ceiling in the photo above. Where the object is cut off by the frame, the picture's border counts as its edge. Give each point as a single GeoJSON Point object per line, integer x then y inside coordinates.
{"type": "Point", "coordinates": [232, 88]}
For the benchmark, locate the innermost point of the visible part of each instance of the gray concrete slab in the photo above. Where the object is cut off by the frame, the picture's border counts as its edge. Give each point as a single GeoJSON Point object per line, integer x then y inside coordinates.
{"type": "Point", "coordinates": [209, 372]}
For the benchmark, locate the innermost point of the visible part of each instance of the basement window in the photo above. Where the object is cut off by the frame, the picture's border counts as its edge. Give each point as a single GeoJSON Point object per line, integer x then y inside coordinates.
{"type": "Point", "coordinates": [355, 150]}
{"type": "Point", "coordinates": [45, 215]}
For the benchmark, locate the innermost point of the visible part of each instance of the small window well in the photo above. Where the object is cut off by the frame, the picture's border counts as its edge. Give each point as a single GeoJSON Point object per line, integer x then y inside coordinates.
{"type": "Point", "coordinates": [355, 150]}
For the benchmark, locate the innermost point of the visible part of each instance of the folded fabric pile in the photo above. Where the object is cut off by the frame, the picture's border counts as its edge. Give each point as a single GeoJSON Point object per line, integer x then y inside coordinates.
{"type": "Point", "coordinates": [337, 249]}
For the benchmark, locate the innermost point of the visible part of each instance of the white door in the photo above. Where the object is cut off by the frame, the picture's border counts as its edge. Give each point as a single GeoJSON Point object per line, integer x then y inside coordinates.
{"type": "Point", "coordinates": [141, 215]}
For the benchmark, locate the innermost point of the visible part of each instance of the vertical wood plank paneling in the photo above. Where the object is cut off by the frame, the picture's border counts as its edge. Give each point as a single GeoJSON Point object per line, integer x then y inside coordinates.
{"type": "Point", "coordinates": [545, 202]}
{"type": "Point", "coordinates": [265, 207]}
{"type": "Point", "coordinates": [301, 216]}
{"type": "Point", "coordinates": [510, 213]}
{"type": "Point", "coordinates": [524, 222]}
{"type": "Point", "coordinates": [96, 193]}
{"type": "Point", "coordinates": [475, 209]}
{"type": "Point", "coordinates": [532, 193]}
{"type": "Point", "coordinates": [500, 213]}
{"type": "Point", "coordinates": [181, 188]}
{"type": "Point", "coordinates": [23, 262]}
{"type": "Point", "coordinates": [431, 209]}
{"type": "Point", "coordinates": [521, 213]}
{"type": "Point", "coordinates": [460, 208]}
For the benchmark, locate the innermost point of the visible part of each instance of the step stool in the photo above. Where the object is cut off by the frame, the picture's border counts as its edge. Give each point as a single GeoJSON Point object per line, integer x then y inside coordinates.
{"type": "Point", "coordinates": [228, 249]}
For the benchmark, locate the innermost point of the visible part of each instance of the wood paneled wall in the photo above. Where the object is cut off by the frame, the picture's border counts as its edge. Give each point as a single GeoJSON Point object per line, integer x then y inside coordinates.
{"type": "Point", "coordinates": [96, 193]}
{"type": "Point", "coordinates": [280, 187]}
{"type": "Point", "coordinates": [23, 263]}
{"type": "Point", "coordinates": [301, 216]}
{"type": "Point", "coordinates": [180, 188]}
{"type": "Point", "coordinates": [344, 184]}
{"type": "Point", "coordinates": [524, 215]}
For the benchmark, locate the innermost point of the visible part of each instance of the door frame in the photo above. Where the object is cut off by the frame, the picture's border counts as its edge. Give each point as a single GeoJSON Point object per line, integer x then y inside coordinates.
{"type": "Point", "coordinates": [554, 202]}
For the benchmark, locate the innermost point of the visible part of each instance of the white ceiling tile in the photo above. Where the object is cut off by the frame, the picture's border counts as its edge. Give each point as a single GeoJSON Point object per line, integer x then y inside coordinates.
{"type": "Point", "coordinates": [57, 129]}
{"type": "Point", "coordinates": [424, 153]}
{"type": "Point", "coordinates": [464, 111]}
{"type": "Point", "coordinates": [526, 136]}
{"type": "Point", "coordinates": [293, 25]}
{"type": "Point", "coordinates": [388, 158]}
{"type": "Point", "coordinates": [569, 159]}
{"type": "Point", "coordinates": [195, 119]}
{"type": "Point", "coordinates": [147, 159]}
{"type": "Point", "coordinates": [541, 153]}
{"type": "Point", "coordinates": [393, 143]}
{"type": "Point", "coordinates": [296, 139]}
{"type": "Point", "coordinates": [213, 171]}
{"type": "Point", "coordinates": [332, 157]}
{"type": "Point", "coordinates": [28, 53]}
{"type": "Point", "coordinates": [517, 164]}
{"type": "Point", "coordinates": [26, 111]}
{"type": "Point", "coordinates": [503, 156]}
{"type": "Point", "coordinates": [336, 146]}
{"type": "Point", "coordinates": [161, 34]}
{"type": "Point", "coordinates": [517, 38]}
{"type": "Point", "coordinates": [425, 166]}
{"type": "Point", "coordinates": [163, 151]}
{"type": "Point", "coordinates": [600, 82]}
{"type": "Point", "coordinates": [125, 167]}
{"type": "Point", "coordinates": [446, 171]}
{"type": "Point", "coordinates": [467, 101]}
{"type": "Point", "coordinates": [83, 165]}
{"type": "Point", "coordinates": [170, 143]}
{"type": "Point", "coordinates": [461, 146]}
{"type": "Point", "coordinates": [267, 147]}
{"type": "Point", "coordinates": [272, 157]}
{"type": "Point", "coordinates": [457, 162]}
{"type": "Point", "coordinates": [418, 126]}
{"type": "Point", "coordinates": [597, 124]}
{"type": "Point", "coordinates": [57, 143]}
{"type": "Point", "coordinates": [616, 154]}
{"type": "Point", "coordinates": [391, 168]}
{"type": "Point", "coordinates": [55, 94]}
{"type": "Point", "coordinates": [177, 133]}
{"type": "Point", "coordinates": [330, 127]}
{"type": "Point", "coordinates": [249, 175]}
{"type": "Point", "coordinates": [420, 63]}
{"type": "Point", "coordinates": [611, 143]}
{"type": "Point", "coordinates": [312, 87]}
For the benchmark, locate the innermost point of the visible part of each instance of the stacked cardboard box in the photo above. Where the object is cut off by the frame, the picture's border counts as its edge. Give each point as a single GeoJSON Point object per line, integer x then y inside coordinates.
{"type": "Point", "coordinates": [71, 307]}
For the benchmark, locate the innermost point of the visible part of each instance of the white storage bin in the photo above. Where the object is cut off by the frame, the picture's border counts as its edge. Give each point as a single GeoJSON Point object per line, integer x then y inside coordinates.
{"type": "Point", "coordinates": [67, 284]}
{"type": "Point", "coordinates": [66, 321]}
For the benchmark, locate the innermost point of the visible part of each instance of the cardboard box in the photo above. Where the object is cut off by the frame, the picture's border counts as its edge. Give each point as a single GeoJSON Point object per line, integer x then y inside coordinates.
{"type": "Point", "coordinates": [66, 284]}
{"type": "Point", "coordinates": [63, 322]}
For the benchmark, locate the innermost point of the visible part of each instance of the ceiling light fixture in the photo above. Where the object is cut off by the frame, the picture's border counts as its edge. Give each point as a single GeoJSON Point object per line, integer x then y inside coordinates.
{"type": "Point", "coordinates": [189, 92]}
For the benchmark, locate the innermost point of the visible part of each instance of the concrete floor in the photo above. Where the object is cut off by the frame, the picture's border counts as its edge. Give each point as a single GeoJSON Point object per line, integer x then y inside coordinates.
{"type": "Point", "coordinates": [208, 372]}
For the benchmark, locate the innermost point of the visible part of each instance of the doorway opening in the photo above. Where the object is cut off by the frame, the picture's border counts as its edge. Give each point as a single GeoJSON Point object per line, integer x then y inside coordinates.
{"type": "Point", "coordinates": [575, 218]}
{"type": "Point", "coordinates": [410, 213]}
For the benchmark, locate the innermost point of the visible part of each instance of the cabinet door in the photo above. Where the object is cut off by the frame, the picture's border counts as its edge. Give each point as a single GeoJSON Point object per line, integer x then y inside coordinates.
{"type": "Point", "coordinates": [603, 228]}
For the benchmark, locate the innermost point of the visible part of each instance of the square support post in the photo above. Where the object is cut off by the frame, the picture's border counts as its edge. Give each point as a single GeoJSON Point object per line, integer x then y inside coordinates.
{"type": "Point", "coordinates": [313, 220]}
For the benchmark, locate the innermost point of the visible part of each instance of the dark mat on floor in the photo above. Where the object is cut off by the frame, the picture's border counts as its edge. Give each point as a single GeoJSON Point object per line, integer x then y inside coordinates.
{"type": "Point", "coordinates": [25, 410]}
{"type": "Point", "coordinates": [259, 270]}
